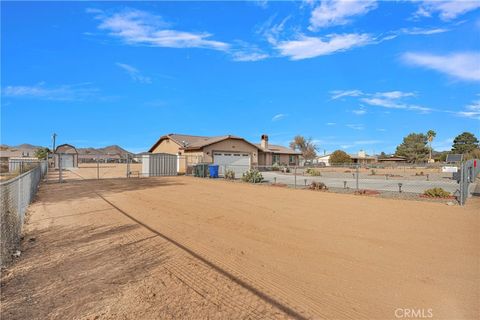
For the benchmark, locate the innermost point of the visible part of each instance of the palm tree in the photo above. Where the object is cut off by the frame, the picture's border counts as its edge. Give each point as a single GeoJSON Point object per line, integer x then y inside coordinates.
{"type": "Point", "coordinates": [430, 136]}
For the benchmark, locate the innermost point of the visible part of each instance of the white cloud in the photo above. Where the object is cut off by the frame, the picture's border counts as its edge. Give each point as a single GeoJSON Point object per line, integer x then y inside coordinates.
{"type": "Point", "coordinates": [447, 10]}
{"type": "Point", "coordinates": [423, 31]}
{"type": "Point", "coordinates": [366, 142]}
{"type": "Point", "coordinates": [356, 126]}
{"type": "Point", "coordinates": [305, 47]}
{"type": "Point", "coordinates": [359, 112]}
{"type": "Point", "coordinates": [134, 73]}
{"type": "Point", "coordinates": [394, 94]}
{"type": "Point", "coordinates": [278, 117]}
{"type": "Point", "coordinates": [137, 27]}
{"type": "Point", "coordinates": [471, 111]}
{"type": "Point", "coordinates": [337, 12]}
{"type": "Point", "coordinates": [80, 91]}
{"type": "Point", "coordinates": [337, 94]}
{"type": "Point", "coordinates": [331, 123]}
{"type": "Point", "coordinates": [464, 65]}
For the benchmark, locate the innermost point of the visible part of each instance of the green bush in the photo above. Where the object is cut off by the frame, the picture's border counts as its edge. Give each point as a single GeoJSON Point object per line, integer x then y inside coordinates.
{"type": "Point", "coordinates": [230, 174]}
{"type": "Point", "coordinates": [253, 176]}
{"type": "Point", "coordinates": [313, 172]}
{"type": "Point", "coordinates": [437, 193]}
{"type": "Point", "coordinates": [275, 167]}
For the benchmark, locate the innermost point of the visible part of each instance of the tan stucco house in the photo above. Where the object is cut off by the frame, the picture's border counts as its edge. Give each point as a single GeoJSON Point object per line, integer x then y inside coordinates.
{"type": "Point", "coordinates": [228, 150]}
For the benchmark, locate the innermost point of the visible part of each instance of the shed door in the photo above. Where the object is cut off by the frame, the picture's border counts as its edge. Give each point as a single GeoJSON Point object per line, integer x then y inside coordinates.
{"type": "Point", "coordinates": [238, 162]}
{"type": "Point", "coordinates": [67, 161]}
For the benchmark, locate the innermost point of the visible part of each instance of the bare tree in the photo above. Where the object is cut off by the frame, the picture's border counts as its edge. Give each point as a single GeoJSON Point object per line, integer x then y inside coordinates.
{"type": "Point", "coordinates": [305, 145]}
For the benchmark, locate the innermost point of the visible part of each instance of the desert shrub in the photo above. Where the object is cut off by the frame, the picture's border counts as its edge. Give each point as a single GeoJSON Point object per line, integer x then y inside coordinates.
{"type": "Point", "coordinates": [275, 167]}
{"type": "Point", "coordinates": [419, 173]}
{"type": "Point", "coordinates": [230, 174]}
{"type": "Point", "coordinates": [436, 193]}
{"type": "Point", "coordinates": [317, 186]}
{"type": "Point", "coordinates": [253, 176]}
{"type": "Point", "coordinates": [313, 172]}
{"type": "Point", "coordinates": [373, 172]}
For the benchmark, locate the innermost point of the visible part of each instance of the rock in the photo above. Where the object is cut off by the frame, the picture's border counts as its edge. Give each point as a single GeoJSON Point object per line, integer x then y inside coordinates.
{"type": "Point", "coordinates": [450, 203]}
{"type": "Point", "coordinates": [17, 254]}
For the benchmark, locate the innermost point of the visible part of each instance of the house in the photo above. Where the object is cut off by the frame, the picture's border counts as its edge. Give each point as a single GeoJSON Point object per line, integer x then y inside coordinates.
{"type": "Point", "coordinates": [362, 158]}
{"type": "Point", "coordinates": [392, 160]}
{"type": "Point", "coordinates": [228, 150]}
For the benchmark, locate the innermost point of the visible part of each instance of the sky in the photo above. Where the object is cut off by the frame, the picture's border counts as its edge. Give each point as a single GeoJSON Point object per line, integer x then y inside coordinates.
{"type": "Point", "coordinates": [352, 75]}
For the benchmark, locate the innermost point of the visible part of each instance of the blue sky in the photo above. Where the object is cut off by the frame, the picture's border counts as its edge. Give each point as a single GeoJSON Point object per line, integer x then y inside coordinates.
{"type": "Point", "coordinates": [351, 75]}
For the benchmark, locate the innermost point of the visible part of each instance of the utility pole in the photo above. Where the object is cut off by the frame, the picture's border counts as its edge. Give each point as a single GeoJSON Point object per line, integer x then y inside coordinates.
{"type": "Point", "coordinates": [54, 137]}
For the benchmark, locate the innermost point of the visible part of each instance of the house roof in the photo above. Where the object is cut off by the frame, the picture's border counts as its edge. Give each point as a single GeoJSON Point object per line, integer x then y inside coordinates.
{"type": "Point", "coordinates": [189, 142]}
{"type": "Point", "coordinates": [396, 158]}
{"type": "Point", "coordinates": [276, 149]}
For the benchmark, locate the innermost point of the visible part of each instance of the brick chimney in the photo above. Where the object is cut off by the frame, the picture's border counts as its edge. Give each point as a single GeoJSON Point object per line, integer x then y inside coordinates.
{"type": "Point", "coordinates": [264, 142]}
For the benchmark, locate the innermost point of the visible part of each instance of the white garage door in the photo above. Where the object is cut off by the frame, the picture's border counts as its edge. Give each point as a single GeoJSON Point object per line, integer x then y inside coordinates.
{"type": "Point", "coordinates": [67, 161]}
{"type": "Point", "coordinates": [238, 162]}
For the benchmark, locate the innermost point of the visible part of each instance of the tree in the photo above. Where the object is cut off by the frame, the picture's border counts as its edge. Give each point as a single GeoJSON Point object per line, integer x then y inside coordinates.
{"type": "Point", "coordinates": [339, 157]}
{"type": "Point", "coordinates": [414, 148]}
{"type": "Point", "coordinates": [305, 146]}
{"type": "Point", "coordinates": [464, 143]}
{"type": "Point", "coordinates": [382, 155]}
{"type": "Point", "coordinates": [42, 153]}
{"type": "Point", "coordinates": [430, 136]}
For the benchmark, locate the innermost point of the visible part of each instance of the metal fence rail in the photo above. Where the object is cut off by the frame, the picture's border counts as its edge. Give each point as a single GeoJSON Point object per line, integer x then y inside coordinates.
{"type": "Point", "coordinates": [16, 195]}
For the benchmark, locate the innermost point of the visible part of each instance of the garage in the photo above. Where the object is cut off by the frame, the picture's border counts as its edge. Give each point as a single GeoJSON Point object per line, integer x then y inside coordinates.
{"type": "Point", "coordinates": [67, 161]}
{"type": "Point", "coordinates": [238, 162]}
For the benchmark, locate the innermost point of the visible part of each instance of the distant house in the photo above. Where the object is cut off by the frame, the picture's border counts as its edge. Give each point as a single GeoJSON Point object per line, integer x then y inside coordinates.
{"type": "Point", "coordinates": [362, 158]}
{"type": "Point", "coordinates": [392, 160]}
{"type": "Point", "coordinates": [227, 151]}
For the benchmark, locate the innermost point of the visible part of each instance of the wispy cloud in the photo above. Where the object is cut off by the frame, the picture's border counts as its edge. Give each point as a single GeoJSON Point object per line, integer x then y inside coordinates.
{"type": "Point", "coordinates": [304, 47]}
{"type": "Point", "coordinates": [338, 12]}
{"type": "Point", "coordinates": [471, 111]}
{"type": "Point", "coordinates": [337, 94]}
{"type": "Point", "coordinates": [331, 123]}
{"type": "Point", "coordinates": [278, 117]}
{"type": "Point", "coordinates": [134, 73]}
{"type": "Point", "coordinates": [446, 9]}
{"type": "Point", "coordinates": [355, 126]}
{"type": "Point", "coordinates": [423, 31]}
{"type": "Point", "coordinates": [387, 99]}
{"type": "Point", "coordinates": [136, 27]}
{"type": "Point", "coordinates": [360, 112]}
{"type": "Point", "coordinates": [74, 92]}
{"type": "Point", "coordinates": [463, 65]}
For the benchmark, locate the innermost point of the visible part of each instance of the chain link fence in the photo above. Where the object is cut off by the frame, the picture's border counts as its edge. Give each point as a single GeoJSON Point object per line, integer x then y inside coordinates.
{"type": "Point", "coordinates": [396, 181]}
{"type": "Point", "coordinates": [16, 194]}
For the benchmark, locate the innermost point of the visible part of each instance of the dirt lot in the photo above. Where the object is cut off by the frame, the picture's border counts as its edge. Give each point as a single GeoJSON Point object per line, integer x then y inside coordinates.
{"type": "Point", "coordinates": [189, 248]}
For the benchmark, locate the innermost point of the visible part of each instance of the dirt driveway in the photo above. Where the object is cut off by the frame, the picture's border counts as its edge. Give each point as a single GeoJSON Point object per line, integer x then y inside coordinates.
{"type": "Point", "coordinates": [187, 248]}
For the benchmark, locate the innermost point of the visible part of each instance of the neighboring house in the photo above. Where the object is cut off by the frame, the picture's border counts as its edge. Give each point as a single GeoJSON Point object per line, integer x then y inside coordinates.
{"type": "Point", "coordinates": [392, 160]}
{"type": "Point", "coordinates": [362, 158]}
{"type": "Point", "coordinates": [232, 151]}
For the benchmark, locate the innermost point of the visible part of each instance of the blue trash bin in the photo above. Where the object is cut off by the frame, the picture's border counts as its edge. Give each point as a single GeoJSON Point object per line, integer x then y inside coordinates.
{"type": "Point", "coordinates": [213, 170]}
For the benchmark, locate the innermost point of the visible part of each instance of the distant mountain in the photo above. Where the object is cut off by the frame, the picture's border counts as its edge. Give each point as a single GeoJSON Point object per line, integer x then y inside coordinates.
{"type": "Point", "coordinates": [110, 150]}
{"type": "Point", "coordinates": [26, 149]}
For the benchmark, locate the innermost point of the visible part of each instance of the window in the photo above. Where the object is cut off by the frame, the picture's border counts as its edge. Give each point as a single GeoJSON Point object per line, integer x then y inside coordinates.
{"type": "Point", "coordinates": [276, 159]}
{"type": "Point", "coordinates": [291, 159]}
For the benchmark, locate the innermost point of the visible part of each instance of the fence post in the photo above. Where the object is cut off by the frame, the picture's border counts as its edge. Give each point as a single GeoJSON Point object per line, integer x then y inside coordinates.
{"type": "Point", "coordinates": [356, 175]}
{"type": "Point", "coordinates": [60, 178]}
{"type": "Point", "coordinates": [295, 175]}
{"type": "Point", "coordinates": [128, 166]}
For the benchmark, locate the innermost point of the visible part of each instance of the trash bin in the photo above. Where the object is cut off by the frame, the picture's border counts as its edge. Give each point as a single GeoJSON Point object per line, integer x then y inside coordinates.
{"type": "Point", "coordinates": [213, 169]}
